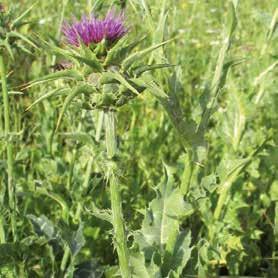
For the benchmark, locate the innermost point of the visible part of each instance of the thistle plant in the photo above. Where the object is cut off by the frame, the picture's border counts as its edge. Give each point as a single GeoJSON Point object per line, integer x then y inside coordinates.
{"type": "Point", "coordinates": [102, 72]}
{"type": "Point", "coordinates": [120, 170]}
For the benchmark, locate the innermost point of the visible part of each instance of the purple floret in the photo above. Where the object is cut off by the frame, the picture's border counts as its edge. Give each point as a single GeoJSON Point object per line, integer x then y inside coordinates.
{"type": "Point", "coordinates": [88, 30]}
{"type": "Point", "coordinates": [114, 26]}
{"type": "Point", "coordinates": [92, 30]}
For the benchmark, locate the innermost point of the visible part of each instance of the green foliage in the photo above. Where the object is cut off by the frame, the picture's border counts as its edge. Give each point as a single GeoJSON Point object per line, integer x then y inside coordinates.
{"type": "Point", "coordinates": [193, 84]}
{"type": "Point", "coordinates": [160, 232]}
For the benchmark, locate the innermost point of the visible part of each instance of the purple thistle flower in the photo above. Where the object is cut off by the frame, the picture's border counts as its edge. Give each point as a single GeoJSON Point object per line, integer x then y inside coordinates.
{"type": "Point", "coordinates": [92, 30]}
{"type": "Point", "coordinates": [87, 30]}
{"type": "Point", "coordinates": [114, 25]}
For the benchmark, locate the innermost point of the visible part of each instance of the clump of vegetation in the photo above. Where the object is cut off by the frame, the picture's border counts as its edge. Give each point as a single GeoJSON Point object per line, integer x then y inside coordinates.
{"type": "Point", "coordinates": [138, 139]}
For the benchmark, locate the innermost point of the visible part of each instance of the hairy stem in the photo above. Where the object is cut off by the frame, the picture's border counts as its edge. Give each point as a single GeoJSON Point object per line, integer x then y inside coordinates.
{"type": "Point", "coordinates": [2, 230]}
{"type": "Point", "coordinates": [220, 203]}
{"type": "Point", "coordinates": [72, 164]}
{"type": "Point", "coordinates": [65, 259]}
{"type": "Point", "coordinates": [116, 203]}
{"type": "Point", "coordinates": [10, 162]}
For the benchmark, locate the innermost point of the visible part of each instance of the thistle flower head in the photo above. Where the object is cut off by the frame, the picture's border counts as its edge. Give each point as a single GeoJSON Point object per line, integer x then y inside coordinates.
{"type": "Point", "coordinates": [93, 30]}
{"type": "Point", "coordinates": [114, 25]}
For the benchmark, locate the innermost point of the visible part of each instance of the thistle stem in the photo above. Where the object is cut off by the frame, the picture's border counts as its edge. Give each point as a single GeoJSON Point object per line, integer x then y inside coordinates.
{"type": "Point", "coordinates": [2, 230]}
{"type": "Point", "coordinates": [220, 204]}
{"type": "Point", "coordinates": [10, 162]}
{"type": "Point", "coordinates": [65, 259]}
{"type": "Point", "coordinates": [99, 125]}
{"type": "Point", "coordinates": [116, 203]}
{"type": "Point", "coordinates": [72, 164]}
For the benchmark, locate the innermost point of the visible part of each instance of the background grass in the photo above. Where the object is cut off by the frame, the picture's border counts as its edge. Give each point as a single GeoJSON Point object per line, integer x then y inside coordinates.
{"type": "Point", "coordinates": [60, 175]}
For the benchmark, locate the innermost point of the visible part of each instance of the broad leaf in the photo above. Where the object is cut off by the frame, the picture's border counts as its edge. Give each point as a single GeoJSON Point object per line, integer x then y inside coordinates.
{"type": "Point", "coordinates": [162, 217]}
{"type": "Point", "coordinates": [77, 241]}
{"type": "Point", "coordinates": [178, 253]}
{"type": "Point", "coordinates": [103, 214]}
{"type": "Point", "coordinates": [43, 226]}
{"type": "Point", "coordinates": [140, 269]}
